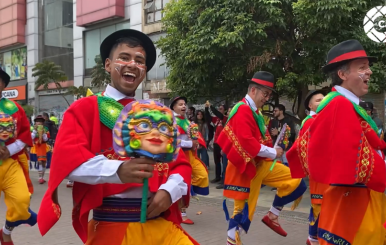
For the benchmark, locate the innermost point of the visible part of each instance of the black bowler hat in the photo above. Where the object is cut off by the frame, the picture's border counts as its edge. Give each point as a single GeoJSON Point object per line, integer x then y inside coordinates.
{"type": "Point", "coordinates": [264, 79]}
{"type": "Point", "coordinates": [344, 52]}
{"type": "Point", "coordinates": [309, 96]}
{"type": "Point", "coordinates": [4, 77]}
{"type": "Point", "coordinates": [147, 43]}
{"type": "Point", "coordinates": [176, 99]}
{"type": "Point", "coordinates": [39, 118]}
{"type": "Point", "coordinates": [368, 106]}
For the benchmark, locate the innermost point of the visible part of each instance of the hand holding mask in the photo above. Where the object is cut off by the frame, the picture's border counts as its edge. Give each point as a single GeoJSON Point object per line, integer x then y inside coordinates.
{"type": "Point", "coordinates": [146, 129]}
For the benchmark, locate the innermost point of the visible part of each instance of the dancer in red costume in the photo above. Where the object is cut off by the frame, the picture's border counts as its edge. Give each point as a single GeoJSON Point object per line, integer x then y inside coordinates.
{"type": "Point", "coordinates": [345, 152]}
{"type": "Point", "coordinates": [14, 167]}
{"type": "Point", "coordinates": [200, 181]}
{"type": "Point", "coordinates": [247, 144]}
{"type": "Point", "coordinates": [103, 180]}
{"type": "Point", "coordinates": [300, 169]}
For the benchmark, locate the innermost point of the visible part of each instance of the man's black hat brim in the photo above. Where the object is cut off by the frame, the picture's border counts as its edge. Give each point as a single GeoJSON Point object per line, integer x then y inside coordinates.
{"type": "Point", "coordinates": [148, 45]}
{"type": "Point", "coordinates": [310, 95]}
{"type": "Point", "coordinates": [4, 77]}
{"type": "Point", "coordinates": [177, 99]}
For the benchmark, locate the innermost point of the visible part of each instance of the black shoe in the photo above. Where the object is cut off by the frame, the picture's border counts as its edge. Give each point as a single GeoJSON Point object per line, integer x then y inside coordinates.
{"type": "Point", "coordinates": [216, 180]}
{"type": "Point", "coordinates": [220, 186]}
{"type": "Point", "coordinates": [274, 189]}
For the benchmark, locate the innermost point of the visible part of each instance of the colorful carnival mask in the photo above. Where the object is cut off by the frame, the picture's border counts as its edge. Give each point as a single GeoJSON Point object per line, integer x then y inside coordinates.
{"type": "Point", "coordinates": [146, 128]}
{"type": "Point", "coordinates": [7, 127]}
{"type": "Point", "coordinates": [193, 132]}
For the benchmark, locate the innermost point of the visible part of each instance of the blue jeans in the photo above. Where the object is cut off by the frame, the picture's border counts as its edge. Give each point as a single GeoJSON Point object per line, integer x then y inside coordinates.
{"type": "Point", "coordinates": [203, 155]}
{"type": "Point", "coordinates": [224, 165]}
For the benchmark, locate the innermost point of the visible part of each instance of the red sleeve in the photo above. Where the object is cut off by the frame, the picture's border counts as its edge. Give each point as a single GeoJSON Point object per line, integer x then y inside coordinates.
{"type": "Point", "coordinates": [239, 140]}
{"type": "Point", "coordinates": [339, 151]}
{"type": "Point", "coordinates": [182, 167]}
{"type": "Point", "coordinates": [23, 127]}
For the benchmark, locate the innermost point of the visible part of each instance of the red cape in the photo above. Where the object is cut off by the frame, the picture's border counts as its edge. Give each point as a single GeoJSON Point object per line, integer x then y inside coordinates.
{"type": "Point", "coordinates": [342, 148]}
{"type": "Point", "coordinates": [80, 138]}
{"type": "Point", "coordinates": [241, 141]}
{"type": "Point", "coordinates": [297, 155]}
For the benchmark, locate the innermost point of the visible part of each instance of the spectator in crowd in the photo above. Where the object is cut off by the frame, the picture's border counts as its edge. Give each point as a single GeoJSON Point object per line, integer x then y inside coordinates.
{"type": "Point", "coordinates": [369, 107]}
{"type": "Point", "coordinates": [203, 128]}
{"type": "Point", "coordinates": [278, 121]}
{"type": "Point", "coordinates": [52, 129]}
{"type": "Point", "coordinates": [54, 118]}
{"type": "Point", "coordinates": [191, 113]}
{"type": "Point", "coordinates": [219, 121]}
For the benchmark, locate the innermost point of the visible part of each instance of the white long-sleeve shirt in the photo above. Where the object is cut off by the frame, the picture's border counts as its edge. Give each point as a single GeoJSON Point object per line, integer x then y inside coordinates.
{"type": "Point", "coordinates": [100, 170]}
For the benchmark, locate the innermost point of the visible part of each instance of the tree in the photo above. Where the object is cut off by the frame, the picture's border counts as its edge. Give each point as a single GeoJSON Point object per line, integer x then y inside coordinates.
{"type": "Point", "coordinates": [213, 46]}
{"type": "Point", "coordinates": [28, 109]}
{"type": "Point", "coordinates": [48, 72]}
{"type": "Point", "coordinates": [78, 92]}
{"type": "Point", "coordinates": [100, 77]}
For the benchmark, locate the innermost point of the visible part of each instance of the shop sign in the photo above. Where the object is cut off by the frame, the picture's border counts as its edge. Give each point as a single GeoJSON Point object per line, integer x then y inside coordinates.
{"type": "Point", "coordinates": [15, 93]}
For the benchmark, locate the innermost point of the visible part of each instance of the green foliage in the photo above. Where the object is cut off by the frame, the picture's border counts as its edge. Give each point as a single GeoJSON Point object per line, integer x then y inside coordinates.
{"type": "Point", "coordinates": [213, 46]}
{"type": "Point", "coordinates": [28, 109]}
{"type": "Point", "coordinates": [100, 77]}
{"type": "Point", "coordinates": [78, 92]}
{"type": "Point", "coordinates": [48, 72]}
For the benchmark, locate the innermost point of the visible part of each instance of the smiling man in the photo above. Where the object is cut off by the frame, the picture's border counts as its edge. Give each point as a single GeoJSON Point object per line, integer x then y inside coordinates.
{"type": "Point", "coordinates": [344, 151]}
{"type": "Point", "coordinates": [248, 146]}
{"type": "Point", "coordinates": [103, 180]}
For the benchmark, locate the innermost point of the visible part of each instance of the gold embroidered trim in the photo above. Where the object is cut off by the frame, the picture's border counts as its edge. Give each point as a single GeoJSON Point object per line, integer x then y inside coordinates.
{"type": "Point", "coordinates": [162, 168]}
{"type": "Point", "coordinates": [56, 209]}
{"type": "Point", "coordinates": [302, 152]}
{"type": "Point", "coordinates": [243, 154]}
{"type": "Point", "coordinates": [365, 161]}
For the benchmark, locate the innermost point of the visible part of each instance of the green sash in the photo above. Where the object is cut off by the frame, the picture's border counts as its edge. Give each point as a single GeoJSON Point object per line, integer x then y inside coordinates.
{"type": "Point", "coordinates": [361, 112]}
{"type": "Point", "coordinates": [259, 119]}
{"type": "Point", "coordinates": [305, 120]}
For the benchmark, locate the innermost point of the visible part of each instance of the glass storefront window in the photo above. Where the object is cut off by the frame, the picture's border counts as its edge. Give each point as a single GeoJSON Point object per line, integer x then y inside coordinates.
{"type": "Point", "coordinates": [58, 34]}
{"type": "Point", "coordinates": [14, 63]}
{"type": "Point", "coordinates": [94, 38]}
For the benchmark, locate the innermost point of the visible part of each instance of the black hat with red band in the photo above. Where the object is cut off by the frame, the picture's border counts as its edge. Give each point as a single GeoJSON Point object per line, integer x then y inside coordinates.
{"type": "Point", "coordinates": [174, 100]}
{"type": "Point", "coordinates": [264, 79]}
{"type": "Point", "coordinates": [345, 52]}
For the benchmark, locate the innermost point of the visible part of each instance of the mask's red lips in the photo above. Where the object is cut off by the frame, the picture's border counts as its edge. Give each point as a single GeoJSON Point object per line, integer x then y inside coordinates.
{"type": "Point", "coordinates": [155, 141]}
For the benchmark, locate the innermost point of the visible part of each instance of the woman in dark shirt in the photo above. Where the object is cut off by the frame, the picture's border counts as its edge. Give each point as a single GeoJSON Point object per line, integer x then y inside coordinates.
{"type": "Point", "coordinates": [203, 128]}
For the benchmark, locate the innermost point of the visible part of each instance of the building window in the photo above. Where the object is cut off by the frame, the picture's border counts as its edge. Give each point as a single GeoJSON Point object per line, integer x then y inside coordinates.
{"type": "Point", "coordinates": [67, 15]}
{"type": "Point", "coordinates": [58, 34]}
{"type": "Point", "coordinates": [14, 63]}
{"type": "Point", "coordinates": [94, 38]}
{"type": "Point", "coordinates": [160, 70]}
{"type": "Point", "coordinates": [153, 10]}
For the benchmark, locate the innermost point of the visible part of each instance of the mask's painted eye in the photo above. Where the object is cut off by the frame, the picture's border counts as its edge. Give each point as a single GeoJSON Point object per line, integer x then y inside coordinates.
{"type": "Point", "coordinates": [145, 109]}
{"type": "Point", "coordinates": [143, 126]}
{"type": "Point", "coordinates": [164, 129]}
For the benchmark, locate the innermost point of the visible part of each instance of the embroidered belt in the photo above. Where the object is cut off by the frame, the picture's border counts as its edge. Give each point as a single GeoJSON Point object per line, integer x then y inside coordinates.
{"type": "Point", "coordinates": [119, 210]}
